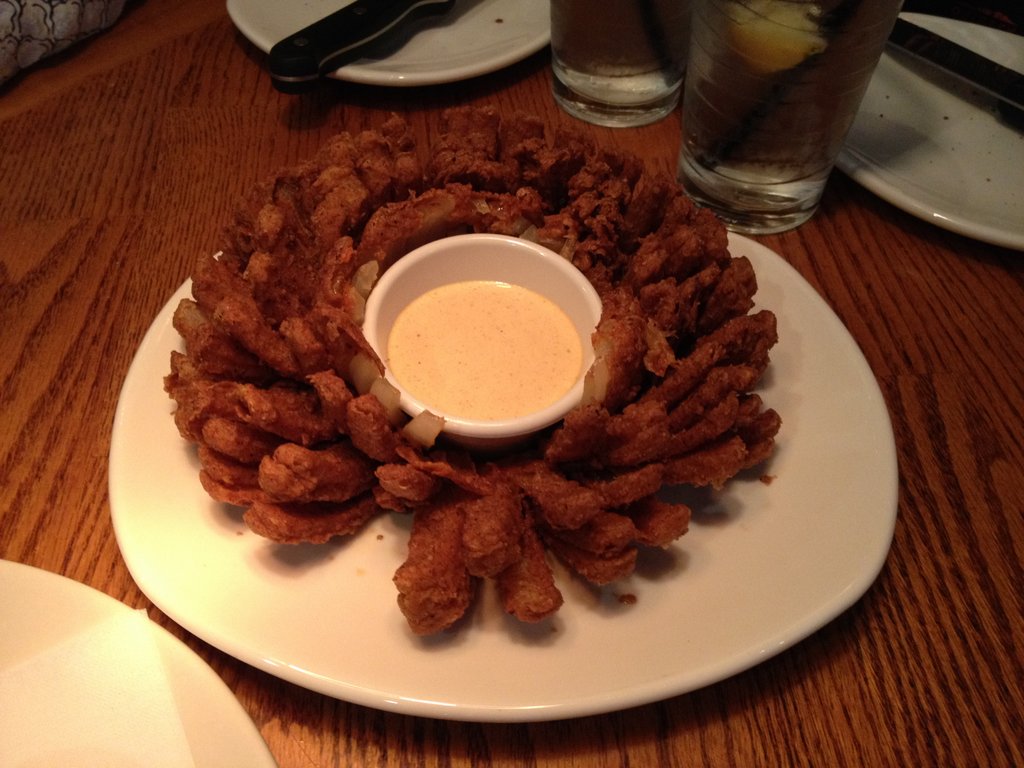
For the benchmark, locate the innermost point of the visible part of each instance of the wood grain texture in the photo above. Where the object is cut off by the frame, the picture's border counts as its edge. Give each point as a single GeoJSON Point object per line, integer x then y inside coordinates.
{"type": "Point", "coordinates": [122, 158]}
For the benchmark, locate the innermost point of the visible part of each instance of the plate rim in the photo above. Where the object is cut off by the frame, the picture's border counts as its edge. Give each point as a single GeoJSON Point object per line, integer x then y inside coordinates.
{"type": "Point", "coordinates": [204, 685]}
{"type": "Point", "coordinates": [367, 74]}
{"type": "Point", "coordinates": [877, 179]}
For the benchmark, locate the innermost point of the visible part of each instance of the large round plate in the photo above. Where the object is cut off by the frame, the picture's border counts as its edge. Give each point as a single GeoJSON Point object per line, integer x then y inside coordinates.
{"type": "Point", "coordinates": [764, 564]}
{"type": "Point", "coordinates": [41, 613]}
{"type": "Point", "coordinates": [936, 148]}
{"type": "Point", "coordinates": [474, 38]}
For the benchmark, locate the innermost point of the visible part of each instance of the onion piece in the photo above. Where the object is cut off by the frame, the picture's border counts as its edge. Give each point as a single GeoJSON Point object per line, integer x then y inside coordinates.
{"type": "Point", "coordinates": [390, 398]}
{"type": "Point", "coordinates": [424, 428]}
{"type": "Point", "coordinates": [595, 384]}
{"type": "Point", "coordinates": [358, 305]}
{"type": "Point", "coordinates": [363, 372]}
{"type": "Point", "coordinates": [568, 248]}
{"type": "Point", "coordinates": [365, 278]}
{"type": "Point", "coordinates": [359, 288]}
{"type": "Point", "coordinates": [521, 225]}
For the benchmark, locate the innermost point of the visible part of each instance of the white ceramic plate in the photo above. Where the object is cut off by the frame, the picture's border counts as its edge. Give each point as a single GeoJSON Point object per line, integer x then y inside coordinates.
{"type": "Point", "coordinates": [40, 611]}
{"type": "Point", "coordinates": [474, 38]}
{"type": "Point", "coordinates": [763, 566]}
{"type": "Point", "coordinates": [935, 147]}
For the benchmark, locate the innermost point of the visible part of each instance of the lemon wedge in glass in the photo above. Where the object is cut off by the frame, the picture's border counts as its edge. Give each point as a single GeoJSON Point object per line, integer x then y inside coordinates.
{"type": "Point", "coordinates": [774, 35]}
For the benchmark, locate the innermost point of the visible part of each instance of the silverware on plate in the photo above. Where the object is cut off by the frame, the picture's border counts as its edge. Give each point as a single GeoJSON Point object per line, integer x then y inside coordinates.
{"type": "Point", "coordinates": [1004, 84]}
{"type": "Point", "coordinates": [298, 61]}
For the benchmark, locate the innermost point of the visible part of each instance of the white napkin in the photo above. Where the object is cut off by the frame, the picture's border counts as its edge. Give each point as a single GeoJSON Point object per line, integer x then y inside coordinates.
{"type": "Point", "coordinates": [99, 698]}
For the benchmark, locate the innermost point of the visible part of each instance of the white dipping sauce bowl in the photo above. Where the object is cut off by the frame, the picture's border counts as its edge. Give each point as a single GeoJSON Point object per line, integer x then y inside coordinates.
{"type": "Point", "coordinates": [484, 257]}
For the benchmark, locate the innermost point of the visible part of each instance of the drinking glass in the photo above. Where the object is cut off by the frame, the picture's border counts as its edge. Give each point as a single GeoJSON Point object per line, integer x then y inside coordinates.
{"type": "Point", "coordinates": [619, 62]}
{"type": "Point", "coordinates": [772, 87]}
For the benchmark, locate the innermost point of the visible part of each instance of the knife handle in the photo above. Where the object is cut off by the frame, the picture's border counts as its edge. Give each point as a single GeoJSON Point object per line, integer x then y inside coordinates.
{"type": "Point", "coordinates": [1003, 83]}
{"type": "Point", "coordinates": [298, 61]}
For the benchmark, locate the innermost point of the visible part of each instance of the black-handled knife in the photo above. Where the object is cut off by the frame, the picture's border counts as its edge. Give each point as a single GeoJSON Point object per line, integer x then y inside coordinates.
{"type": "Point", "coordinates": [298, 61]}
{"type": "Point", "coordinates": [994, 79]}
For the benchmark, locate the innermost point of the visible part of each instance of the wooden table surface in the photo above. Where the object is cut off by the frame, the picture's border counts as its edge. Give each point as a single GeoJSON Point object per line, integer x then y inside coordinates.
{"type": "Point", "coordinates": [122, 158]}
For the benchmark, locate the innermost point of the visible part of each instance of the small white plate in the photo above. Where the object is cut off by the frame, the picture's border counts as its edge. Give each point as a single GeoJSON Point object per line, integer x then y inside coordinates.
{"type": "Point", "coordinates": [936, 148]}
{"type": "Point", "coordinates": [43, 614]}
{"type": "Point", "coordinates": [474, 38]}
{"type": "Point", "coordinates": [764, 564]}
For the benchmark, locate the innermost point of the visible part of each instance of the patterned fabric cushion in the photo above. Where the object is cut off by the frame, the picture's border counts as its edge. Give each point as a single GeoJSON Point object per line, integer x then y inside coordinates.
{"type": "Point", "coordinates": [30, 30]}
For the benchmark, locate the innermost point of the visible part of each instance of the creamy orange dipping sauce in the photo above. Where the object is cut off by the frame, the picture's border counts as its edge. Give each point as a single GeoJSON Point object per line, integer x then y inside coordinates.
{"type": "Point", "coordinates": [484, 350]}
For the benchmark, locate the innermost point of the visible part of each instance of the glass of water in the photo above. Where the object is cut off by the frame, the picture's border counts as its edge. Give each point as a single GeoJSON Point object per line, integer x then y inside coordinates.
{"type": "Point", "coordinates": [772, 87]}
{"type": "Point", "coordinates": [619, 62]}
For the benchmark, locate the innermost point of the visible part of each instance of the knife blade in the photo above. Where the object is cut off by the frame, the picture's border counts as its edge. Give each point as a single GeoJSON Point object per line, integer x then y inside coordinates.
{"type": "Point", "coordinates": [1003, 83]}
{"type": "Point", "coordinates": [298, 61]}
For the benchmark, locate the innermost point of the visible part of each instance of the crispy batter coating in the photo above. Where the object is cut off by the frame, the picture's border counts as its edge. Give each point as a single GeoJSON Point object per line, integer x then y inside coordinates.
{"type": "Point", "coordinates": [280, 409]}
{"type": "Point", "coordinates": [211, 350]}
{"type": "Point", "coordinates": [397, 228]}
{"type": "Point", "coordinates": [370, 429]}
{"type": "Point", "coordinates": [293, 473]}
{"type": "Point", "coordinates": [406, 485]}
{"type": "Point", "coordinates": [274, 385]}
{"type": "Point", "coordinates": [335, 395]}
{"type": "Point", "coordinates": [434, 586]}
{"type": "Point", "coordinates": [467, 152]}
{"type": "Point", "coordinates": [309, 522]}
{"type": "Point", "coordinates": [562, 503]}
{"type": "Point", "coordinates": [239, 441]}
{"type": "Point", "coordinates": [492, 531]}
{"type": "Point", "coordinates": [628, 487]}
{"type": "Point", "coordinates": [527, 587]}
{"type": "Point", "coordinates": [228, 480]}
{"type": "Point", "coordinates": [657, 522]}
{"type": "Point", "coordinates": [596, 567]}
